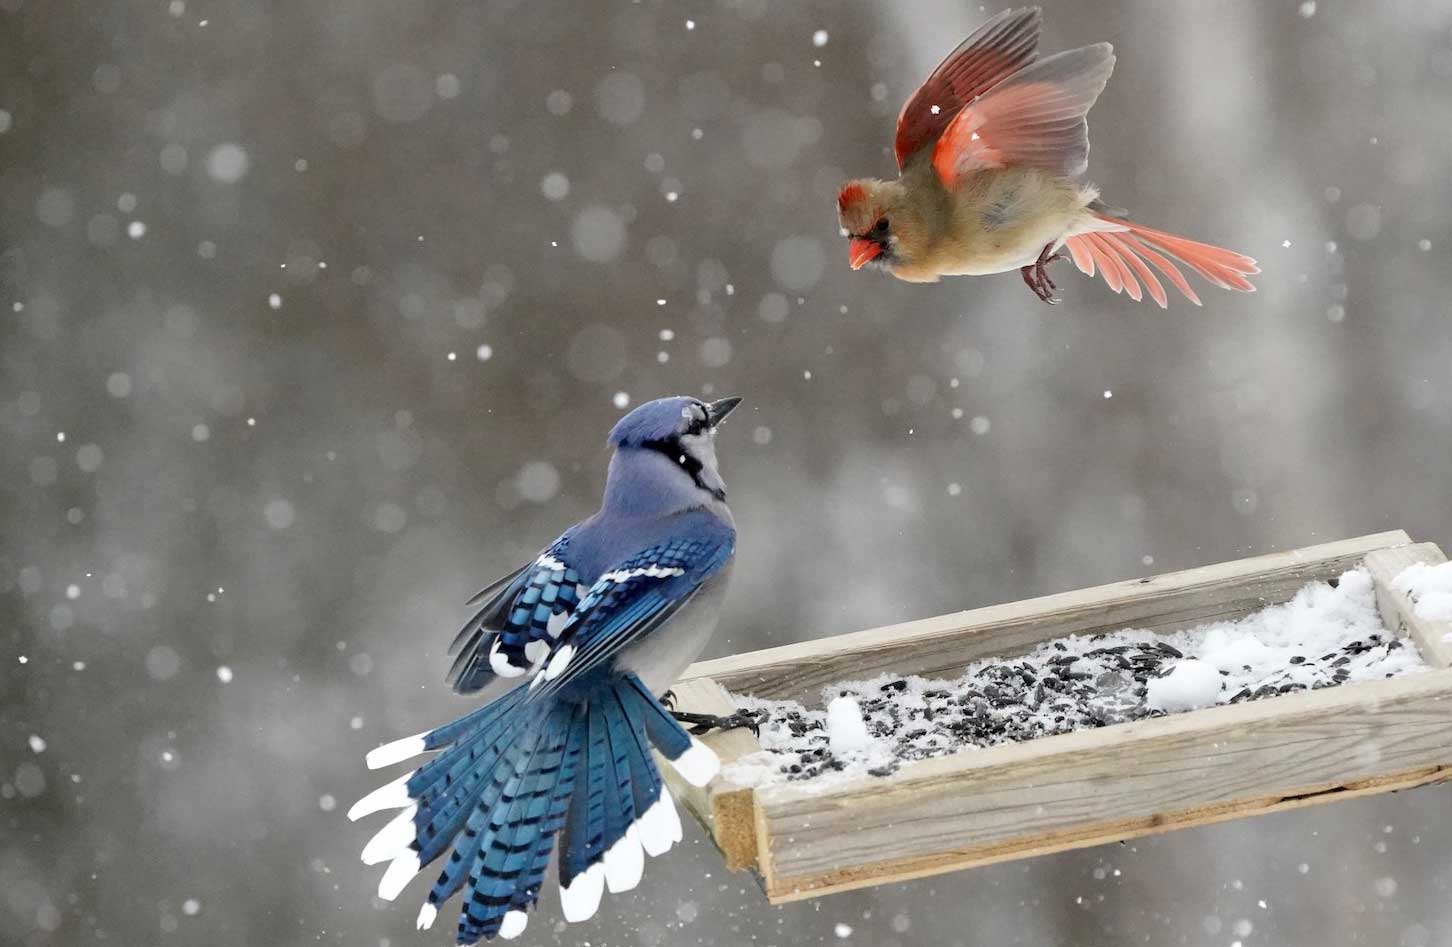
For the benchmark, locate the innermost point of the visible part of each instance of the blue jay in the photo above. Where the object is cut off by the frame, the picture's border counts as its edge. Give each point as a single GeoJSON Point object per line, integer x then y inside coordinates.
{"type": "Point", "coordinates": [573, 649]}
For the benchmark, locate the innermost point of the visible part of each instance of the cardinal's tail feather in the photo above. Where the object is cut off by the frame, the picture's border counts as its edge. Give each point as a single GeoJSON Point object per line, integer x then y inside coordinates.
{"type": "Point", "coordinates": [1121, 252]}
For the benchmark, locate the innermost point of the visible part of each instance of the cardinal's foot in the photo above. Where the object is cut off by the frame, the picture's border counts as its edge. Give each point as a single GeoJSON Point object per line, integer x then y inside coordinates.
{"type": "Point", "coordinates": [1037, 280]}
{"type": "Point", "coordinates": [1036, 276]}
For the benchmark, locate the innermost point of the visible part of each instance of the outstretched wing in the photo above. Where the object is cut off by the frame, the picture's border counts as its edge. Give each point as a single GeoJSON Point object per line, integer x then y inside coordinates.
{"type": "Point", "coordinates": [519, 617]}
{"type": "Point", "coordinates": [630, 601]}
{"type": "Point", "coordinates": [1034, 118]}
{"type": "Point", "coordinates": [995, 51]}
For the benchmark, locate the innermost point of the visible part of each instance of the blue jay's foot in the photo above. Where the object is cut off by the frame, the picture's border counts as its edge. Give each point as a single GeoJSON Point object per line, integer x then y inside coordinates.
{"type": "Point", "coordinates": [1036, 276]}
{"type": "Point", "coordinates": [668, 700]}
{"type": "Point", "coordinates": [705, 723]}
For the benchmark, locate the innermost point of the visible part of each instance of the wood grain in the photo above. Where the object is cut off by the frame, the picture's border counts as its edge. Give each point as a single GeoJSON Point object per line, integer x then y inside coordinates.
{"type": "Point", "coordinates": [1098, 786]}
{"type": "Point", "coordinates": [943, 646]}
{"type": "Point", "coordinates": [725, 810]}
{"type": "Point", "coordinates": [1090, 787]}
{"type": "Point", "coordinates": [1434, 638]}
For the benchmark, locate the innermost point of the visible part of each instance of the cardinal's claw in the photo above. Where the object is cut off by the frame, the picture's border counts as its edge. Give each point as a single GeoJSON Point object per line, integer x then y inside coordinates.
{"type": "Point", "coordinates": [1036, 276]}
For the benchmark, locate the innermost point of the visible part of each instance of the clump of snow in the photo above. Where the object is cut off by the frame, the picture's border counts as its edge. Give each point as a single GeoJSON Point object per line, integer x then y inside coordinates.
{"type": "Point", "coordinates": [1189, 685]}
{"type": "Point", "coordinates": [846, 730]}
{"type": "Point", "coordinates": [1429, 588]}
{"type": "Point", "coordinates": [1328, 634]}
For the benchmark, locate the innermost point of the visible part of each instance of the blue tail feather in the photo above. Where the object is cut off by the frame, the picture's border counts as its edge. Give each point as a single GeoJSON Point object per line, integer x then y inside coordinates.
{"type": "Point", "coordinates": [618, 804]}
{"type": "Point", "coordinates": [445, 787]}
{"type": "Point", "coordinates": [645, 781]}
{"type": "Point", "coordinates": [479, 827]}
{"type": "Point", "coordinates": [450, 734]}
{"type": "Point", "coordinates": [478, 832]}
{"type": "Point", "coordinates": [623, 809]}
{"type": "Point", "coordinates": [584, 833]}
{"type": "Point", "coordinates": [514, 830]}
{"type": "Point", "coordinates": [664, 730]}
{"type": "Point", "coordinates": [525, 774]}
{"type": "Point", "coordinates": [527, 892]}
{"type": "Point", "coordinates": [470, 804]}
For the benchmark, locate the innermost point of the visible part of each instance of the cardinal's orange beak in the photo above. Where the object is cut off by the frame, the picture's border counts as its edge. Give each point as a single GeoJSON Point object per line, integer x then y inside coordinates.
{"type": "Point", "coordinates": [862, 251]}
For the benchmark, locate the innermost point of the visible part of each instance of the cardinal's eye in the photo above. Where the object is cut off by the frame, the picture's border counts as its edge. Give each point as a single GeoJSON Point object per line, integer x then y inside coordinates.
{"type": "Point", "coordinates": [880, 226]}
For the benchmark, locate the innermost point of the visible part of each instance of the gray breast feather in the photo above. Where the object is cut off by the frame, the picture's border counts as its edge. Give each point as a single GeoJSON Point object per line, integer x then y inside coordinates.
{"type": "Point", "coordinates": [1002, 209]}
{"type": "Point", "coordinates": [661, 657]}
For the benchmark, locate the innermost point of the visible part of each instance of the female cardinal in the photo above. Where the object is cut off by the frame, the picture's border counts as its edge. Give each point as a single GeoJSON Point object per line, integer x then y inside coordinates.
{"type": "Point", "coordinates": [989, 151]}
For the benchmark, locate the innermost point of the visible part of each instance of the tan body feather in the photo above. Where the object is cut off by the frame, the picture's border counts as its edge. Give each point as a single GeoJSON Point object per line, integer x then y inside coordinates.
{"type": "Point", "coordinates": [992, 221]}
{"type": "Point", "coordinates": [991, 148]}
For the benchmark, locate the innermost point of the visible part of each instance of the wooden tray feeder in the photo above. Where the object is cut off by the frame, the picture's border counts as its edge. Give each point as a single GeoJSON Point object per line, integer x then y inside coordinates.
{"type": "Point", "coordinates": [1088, 787]}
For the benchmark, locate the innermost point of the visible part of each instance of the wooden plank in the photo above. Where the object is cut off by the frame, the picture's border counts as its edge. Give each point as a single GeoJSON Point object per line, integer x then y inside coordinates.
{"type": "Point", "coordinates": [848, 879]}
{"type": "Point", "coordinates": [1434, 638]}
{"type": "Point", "coordinates": [943, 646]}
{"type": "Point", "coordinates": [723, 808]}
{"type": "Point", "coordinates": [1099, 786]}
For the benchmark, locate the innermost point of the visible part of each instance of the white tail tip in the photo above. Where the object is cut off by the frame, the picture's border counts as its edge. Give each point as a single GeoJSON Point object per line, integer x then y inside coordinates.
{"type": "Point", "coordinates": [426, 915]}
{"type": "Point", "coordinates": [660, 827]}
{"type": "Point", "coordinates": [698, 765]}
{"type": "Point", "coordinates": [392, 839]}
{"type": "Point", "coordinates": [580, 900]}
{"type": "Point", "coordinates": [393, 795]}
{"type": "Point", "coordinates": [513, 924]}
{"type": "Point", "coordinates": [397, 751]}
{"type": "Point", "coordinates": [624, 862]}
{"type": "Point", "coordinates": [400, 872]}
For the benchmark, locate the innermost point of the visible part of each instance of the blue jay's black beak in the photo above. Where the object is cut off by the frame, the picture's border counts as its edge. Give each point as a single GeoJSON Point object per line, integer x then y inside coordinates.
{"type": "Point", "coordinates": [716, 411]}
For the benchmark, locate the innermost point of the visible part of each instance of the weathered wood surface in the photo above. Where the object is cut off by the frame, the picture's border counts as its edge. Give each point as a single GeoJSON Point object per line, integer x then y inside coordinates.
{"type": "Point", "coordinates": [943, 646]}
{"type": "Point", "coordinates": [1434, 638]}
{"type": "Point", "coordinates": [1085, 788]}
{"type": "Point", "coordinates": [724, 809]}
{"type": "Point", "coordinates": [1099, 786]}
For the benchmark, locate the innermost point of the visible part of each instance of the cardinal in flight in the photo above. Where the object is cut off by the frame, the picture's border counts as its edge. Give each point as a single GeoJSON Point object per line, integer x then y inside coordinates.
{"type": "Point", "coordinates": [989, 153]}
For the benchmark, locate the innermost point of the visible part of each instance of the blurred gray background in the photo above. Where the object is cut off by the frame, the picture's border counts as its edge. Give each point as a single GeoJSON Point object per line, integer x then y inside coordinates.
{"type": "Point", "coordinates": [314, 315]}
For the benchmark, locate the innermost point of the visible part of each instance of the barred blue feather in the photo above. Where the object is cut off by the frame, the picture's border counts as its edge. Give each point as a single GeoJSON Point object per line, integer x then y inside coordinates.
{"type": "Point", "coordinates": [579, 771]}
{"type": "Point", "coordinates": [526, 606]}
{"type": "Point", "coordinates": [560, 767]}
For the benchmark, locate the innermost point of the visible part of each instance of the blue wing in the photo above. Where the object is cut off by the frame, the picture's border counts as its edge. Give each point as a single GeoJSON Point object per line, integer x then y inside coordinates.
{"type": "Point", "coordinates": [520, 618]}
{"type": "Point", "coordinates": [633, 599]}
{"type": "Point", "coordinates": [526, 769]}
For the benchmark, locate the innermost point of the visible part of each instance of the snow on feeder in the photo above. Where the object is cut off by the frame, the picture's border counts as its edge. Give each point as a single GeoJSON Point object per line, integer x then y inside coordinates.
{"type": "Point", "coordinates": [1082, 718]}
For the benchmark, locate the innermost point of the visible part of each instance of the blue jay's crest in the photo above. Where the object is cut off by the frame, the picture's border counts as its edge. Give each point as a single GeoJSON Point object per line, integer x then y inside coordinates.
{"type": "Point", "coordinates": [583, 637]}
{"type": "Point", "coordinates": [660, 420]}
{"type": "Point", "coordinates": [668, 419]}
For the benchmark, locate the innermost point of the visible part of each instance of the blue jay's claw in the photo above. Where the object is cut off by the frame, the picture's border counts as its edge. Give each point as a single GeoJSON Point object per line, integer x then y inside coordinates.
{"type": "Point", "coordinates": [668, 700]}
{"type": "Point", "coordinates": [705, 723]}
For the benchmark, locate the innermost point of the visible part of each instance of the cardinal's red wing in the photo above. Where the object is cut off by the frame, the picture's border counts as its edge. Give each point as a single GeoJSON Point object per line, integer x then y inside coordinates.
{"type": "Point", "coordinates": [995, 51]}
{"type": "Point", "coordinates": [1034, 118]}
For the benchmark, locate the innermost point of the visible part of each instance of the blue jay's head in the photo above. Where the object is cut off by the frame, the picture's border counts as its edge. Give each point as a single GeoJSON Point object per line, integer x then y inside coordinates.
{"type": "Point", "coordinates": [681, 429]}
